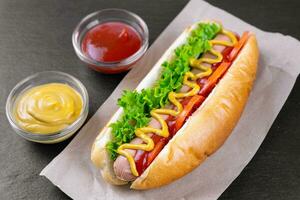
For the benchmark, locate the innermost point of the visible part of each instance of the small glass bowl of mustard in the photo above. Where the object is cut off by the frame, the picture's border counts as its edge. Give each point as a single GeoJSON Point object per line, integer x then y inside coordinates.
{"type": "Point", "coordinates": [47, 107]}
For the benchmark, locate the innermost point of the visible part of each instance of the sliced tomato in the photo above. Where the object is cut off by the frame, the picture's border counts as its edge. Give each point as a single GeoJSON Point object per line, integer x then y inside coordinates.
{"type": "Point", "coordinates": [139, 159]}
{"type": "Point", "coordinates": [185, 101]}
{"type": "Point", "coordinates": [156, 138]}
{"type": "Point", "coordinates": [171, 126]}
{"type": "Point", "coordinates": [158, 147]}
{"type": "Point", "coordinates": [237, 48]}
{"type": "Point", "coordinates": [226, 52]}
{"type": "Point", "coordinates": [213, 79]}
{"type": "Point", "coordinates": [194, 102]}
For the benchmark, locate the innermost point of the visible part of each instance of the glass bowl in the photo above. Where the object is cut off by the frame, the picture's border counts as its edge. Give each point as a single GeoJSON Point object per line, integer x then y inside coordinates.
{"type": "Point", "coordinates": [39, 79]}
{"type": "Point", "coordinates": [110, 15]}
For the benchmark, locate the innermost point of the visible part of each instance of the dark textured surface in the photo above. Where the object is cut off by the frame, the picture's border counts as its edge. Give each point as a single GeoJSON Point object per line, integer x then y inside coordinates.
{"type": "Point", "coordinates": [36, 36]}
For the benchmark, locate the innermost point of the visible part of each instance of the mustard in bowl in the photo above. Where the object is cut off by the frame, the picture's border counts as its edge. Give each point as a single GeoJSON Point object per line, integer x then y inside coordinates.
{"type": "Point", "coordinates": [47, 107]}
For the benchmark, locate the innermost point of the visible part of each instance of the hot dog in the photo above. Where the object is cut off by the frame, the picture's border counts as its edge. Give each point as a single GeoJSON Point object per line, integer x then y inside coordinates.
{"type": "Point", "coordinates": [162, 133]}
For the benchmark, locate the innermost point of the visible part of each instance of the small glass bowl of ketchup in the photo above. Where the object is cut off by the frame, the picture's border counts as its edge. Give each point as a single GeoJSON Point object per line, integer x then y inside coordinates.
{"type": "Point", "coordinates": [111, 40]}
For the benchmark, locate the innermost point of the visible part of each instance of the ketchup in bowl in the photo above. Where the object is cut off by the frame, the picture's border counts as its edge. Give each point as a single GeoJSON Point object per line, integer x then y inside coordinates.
{"type": "Point", "coordinates": [111, 42]}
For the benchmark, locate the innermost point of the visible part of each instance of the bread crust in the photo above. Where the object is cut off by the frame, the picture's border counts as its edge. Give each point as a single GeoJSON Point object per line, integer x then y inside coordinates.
{"type": "Point", "coordinates": [216, 118]}
{"type": "Point", "coordinates": [208, 127]}
{"type": "Point", "coordinates": [101, 159]}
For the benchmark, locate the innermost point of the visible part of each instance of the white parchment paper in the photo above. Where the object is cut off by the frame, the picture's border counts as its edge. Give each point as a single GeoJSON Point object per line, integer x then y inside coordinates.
{"type": "Point", "coordinates": [73, 172]}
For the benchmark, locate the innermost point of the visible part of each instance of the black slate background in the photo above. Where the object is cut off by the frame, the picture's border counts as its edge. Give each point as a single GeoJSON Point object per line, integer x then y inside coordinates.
{"type": "Point", "coordinates": [36, 36]}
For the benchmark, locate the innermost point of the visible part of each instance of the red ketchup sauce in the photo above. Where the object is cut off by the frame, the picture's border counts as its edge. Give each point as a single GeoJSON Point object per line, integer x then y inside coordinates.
{"type": "Point", "coordinates": [111, 42]}
{"type": "Point", "coordinates": [142, 157]}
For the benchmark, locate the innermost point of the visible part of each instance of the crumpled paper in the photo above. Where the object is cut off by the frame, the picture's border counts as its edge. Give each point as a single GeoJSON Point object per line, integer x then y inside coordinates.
{"type": "Point", "coordinates": [73, 172]}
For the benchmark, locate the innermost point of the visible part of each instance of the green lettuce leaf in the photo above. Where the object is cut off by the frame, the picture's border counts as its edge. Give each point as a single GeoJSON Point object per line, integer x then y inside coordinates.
{"type": "Point", "coordinates": [137, 105]}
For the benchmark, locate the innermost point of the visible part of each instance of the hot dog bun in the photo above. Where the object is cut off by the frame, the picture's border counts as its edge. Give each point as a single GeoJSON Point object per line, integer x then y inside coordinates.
{"type": "Point", "coordinates": [204, 132]}
{"type": "Point", "coordinates": [207, 129]}
{"type": "Point", "coordinates": [101, 159]}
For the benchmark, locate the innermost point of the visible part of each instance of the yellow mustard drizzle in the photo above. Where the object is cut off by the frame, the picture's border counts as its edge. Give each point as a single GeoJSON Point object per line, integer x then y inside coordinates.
{"type": "Point", "coordinates": [189, 80]}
